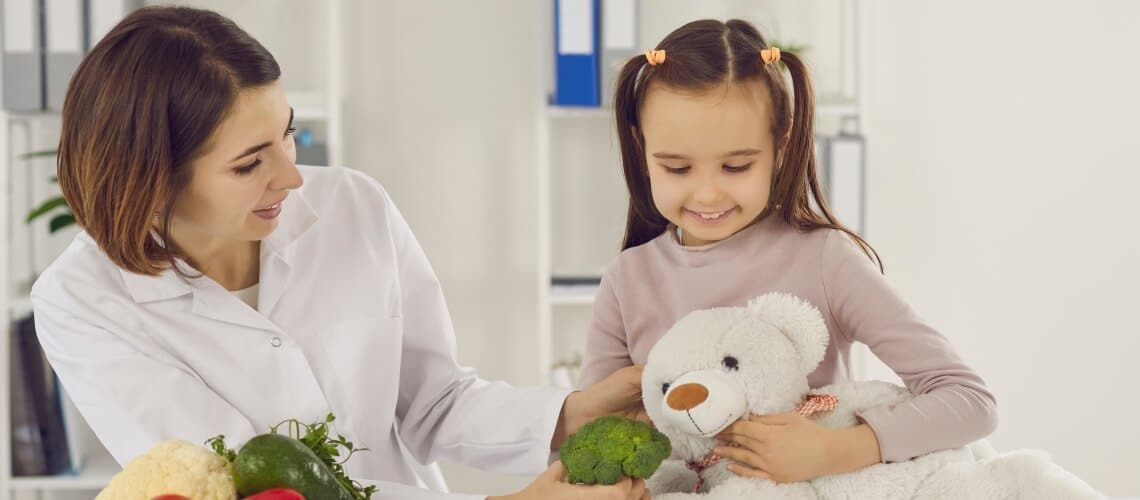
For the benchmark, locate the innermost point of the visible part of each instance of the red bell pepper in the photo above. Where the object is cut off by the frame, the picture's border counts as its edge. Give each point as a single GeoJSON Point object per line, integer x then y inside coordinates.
{"type": "Point", "coordinates": [276, 494]}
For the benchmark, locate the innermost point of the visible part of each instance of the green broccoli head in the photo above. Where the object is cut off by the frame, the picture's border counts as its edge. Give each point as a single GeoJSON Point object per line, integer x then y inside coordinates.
{"type": "Point", "coordinates": [605, 450]}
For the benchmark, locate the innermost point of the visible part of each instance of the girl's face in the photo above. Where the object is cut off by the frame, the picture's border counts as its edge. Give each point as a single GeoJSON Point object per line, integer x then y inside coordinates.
{"type": "Point", "coordinates": [238, 186]}
{"type": "Point", "coordinates": [710, 157]}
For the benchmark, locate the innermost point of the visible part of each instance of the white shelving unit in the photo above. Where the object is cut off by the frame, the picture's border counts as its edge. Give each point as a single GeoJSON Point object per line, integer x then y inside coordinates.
{"type": "Point", "coordinates": [563, 132]}
{"type": "Point", "coordinates": [26, 249]}
{"type": "Point", "coordinates": [316, 101]}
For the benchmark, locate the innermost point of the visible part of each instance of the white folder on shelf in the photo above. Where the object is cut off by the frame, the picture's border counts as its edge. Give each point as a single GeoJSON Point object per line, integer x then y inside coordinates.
{"type": "Point", "coordinates": [619, 43]}
{"type": "Point", "coordinates": [21, 55]}
{"type": "Point", "coordinates": [846, 179]}
{"type": "Point", "coordinates": [63, 49]}
{"type": "Point", "coordinates": [102, 15]}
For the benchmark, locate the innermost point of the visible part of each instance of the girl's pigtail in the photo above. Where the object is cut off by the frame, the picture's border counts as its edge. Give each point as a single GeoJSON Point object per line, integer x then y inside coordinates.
{"type": "Point", "coordinates": [643, 222]}
{"type": "Point", "coordinates": [799, 149]}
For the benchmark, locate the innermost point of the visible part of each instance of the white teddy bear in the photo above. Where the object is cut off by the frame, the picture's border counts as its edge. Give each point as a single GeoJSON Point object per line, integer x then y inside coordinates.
{"type": "Point", "coordinates": [716, 365]}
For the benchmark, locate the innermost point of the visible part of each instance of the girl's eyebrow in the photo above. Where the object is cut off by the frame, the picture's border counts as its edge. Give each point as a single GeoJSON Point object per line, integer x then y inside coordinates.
{"type": "Point", "coordinates": [738, 152]}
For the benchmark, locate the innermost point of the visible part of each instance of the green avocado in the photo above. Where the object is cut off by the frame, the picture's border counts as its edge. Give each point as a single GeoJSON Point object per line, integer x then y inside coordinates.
{"type": "Point", "coordinates": [277, 461]}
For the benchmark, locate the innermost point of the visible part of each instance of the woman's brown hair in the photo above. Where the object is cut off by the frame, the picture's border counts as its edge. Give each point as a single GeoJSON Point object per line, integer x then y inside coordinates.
{"type": "Point", "coordinates": [700, 56]}
{"type": "Point", "coordinates": [142, 105]}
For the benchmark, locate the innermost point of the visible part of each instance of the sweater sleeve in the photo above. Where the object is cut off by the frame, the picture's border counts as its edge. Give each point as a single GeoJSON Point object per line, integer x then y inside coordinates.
{"type": "Point", "coordinates": [952, 406]}
{"type": "Point", "coordinates": [606, 347]}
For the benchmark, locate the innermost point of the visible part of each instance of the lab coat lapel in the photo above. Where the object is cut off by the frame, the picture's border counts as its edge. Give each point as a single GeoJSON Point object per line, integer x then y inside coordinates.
{"type": "Point", "coordinates": [277, 251]}
{"type": "Point", "coordinates": [209, 299]}
{"type": "Point", "coordinates": [215, 302]}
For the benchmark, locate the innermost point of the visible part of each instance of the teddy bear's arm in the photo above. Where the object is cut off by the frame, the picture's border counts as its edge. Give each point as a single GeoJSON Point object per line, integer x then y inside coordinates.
{"type": "Point", "coordinates": [855, 397]}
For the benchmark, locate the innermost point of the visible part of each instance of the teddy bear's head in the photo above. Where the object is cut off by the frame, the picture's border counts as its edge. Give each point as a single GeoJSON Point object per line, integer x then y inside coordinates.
{"type": "Point", "coordinates": [715, 365]}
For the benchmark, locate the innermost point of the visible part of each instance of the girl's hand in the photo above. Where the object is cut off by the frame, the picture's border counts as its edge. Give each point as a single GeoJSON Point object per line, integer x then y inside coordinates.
{"type": "Point", "coordinates": [551, 486]}
{"type": "Point", "coordinates": [617, 394]}
{"type": "Point", "coordinates": [787, 447]}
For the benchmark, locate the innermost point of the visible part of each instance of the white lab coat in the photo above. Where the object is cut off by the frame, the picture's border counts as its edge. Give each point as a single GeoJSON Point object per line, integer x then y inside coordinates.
{"type": "Point", "coordinates": [350, 320]}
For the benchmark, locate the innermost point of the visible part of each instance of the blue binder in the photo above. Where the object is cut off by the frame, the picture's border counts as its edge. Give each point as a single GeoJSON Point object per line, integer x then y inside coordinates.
{"type": "Point", "coordinates": [576, 41]}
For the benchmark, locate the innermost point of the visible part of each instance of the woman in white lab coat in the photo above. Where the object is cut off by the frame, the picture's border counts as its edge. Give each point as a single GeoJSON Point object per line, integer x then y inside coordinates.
{"type": "Point", "coordinates": [217, 288]}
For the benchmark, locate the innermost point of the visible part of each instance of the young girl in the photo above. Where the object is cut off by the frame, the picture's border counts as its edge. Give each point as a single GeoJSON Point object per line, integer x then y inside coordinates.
{"type": "Point", "coordinates": [718, 159]}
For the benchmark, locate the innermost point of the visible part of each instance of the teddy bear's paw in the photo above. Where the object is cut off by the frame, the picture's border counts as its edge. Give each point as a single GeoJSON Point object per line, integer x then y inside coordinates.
{"type": "Point", "coordinates": [671, 477]}
{"type": "Point", "coordinates": [746, 487]}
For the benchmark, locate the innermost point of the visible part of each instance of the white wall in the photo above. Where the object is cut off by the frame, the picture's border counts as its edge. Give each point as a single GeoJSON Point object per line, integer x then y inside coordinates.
{"type": "Point", "coordinates": [1002, 196]}
{"type": "Point", "coordinates": [441, 109]}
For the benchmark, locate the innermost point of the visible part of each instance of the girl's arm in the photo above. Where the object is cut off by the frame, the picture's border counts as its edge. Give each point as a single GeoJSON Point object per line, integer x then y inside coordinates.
{"type": "Point", "coordinates": [952, 405]}
{"type": "Point", "coordinates": [606, 348]}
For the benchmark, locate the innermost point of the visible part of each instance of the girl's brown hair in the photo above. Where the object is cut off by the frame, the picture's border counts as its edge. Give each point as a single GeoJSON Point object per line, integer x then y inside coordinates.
{"type": "Point", "coordinates": [702, 55]}
{"type": "Point", "coordinates": [142, 104]}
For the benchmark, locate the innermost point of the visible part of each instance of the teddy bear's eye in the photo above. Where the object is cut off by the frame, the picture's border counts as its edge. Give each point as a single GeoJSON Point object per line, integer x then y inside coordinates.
{"type": "Point", "coordinates": [731, 363]}
{"type": "Point", "coordinates": [664, 387]}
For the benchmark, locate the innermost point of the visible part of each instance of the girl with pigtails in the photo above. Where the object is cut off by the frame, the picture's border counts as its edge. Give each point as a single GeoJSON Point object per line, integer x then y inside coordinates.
{"type": "Point", "coordinates": [716, 131]}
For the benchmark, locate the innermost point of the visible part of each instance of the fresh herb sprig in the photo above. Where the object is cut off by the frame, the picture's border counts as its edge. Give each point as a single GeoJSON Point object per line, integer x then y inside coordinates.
{"type": "Point", "coordinates": [218, 443]}
{"type": "Point", "coordinates": [316, 437]}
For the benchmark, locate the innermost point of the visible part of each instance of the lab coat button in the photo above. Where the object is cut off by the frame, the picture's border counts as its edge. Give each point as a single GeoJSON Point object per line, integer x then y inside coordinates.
{"type": "Point", "coordinates": [275, 342]}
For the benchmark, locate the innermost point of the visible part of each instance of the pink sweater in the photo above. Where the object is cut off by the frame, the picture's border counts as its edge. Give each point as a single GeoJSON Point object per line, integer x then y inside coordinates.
{"type": "Point", "coordinates": [651, 286]}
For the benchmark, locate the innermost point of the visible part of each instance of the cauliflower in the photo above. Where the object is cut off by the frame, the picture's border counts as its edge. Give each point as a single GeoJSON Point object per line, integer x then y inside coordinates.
{"type": "Point", "coordinates": [604, 450]}
{"type": "Point", "coordinates": [173, 467]}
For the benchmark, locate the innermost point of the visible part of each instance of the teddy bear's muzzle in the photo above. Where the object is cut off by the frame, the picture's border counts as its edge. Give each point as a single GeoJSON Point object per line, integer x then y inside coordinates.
{"type": "Point", "coordinates": [703, 402]}
{"type": "Point", "coordinates": [687, 397]}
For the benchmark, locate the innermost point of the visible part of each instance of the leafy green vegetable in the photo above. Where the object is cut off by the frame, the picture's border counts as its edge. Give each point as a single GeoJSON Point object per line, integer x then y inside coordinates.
{"type": "Point", "coordinates": [604, 450]}
{"type": "Point", "coordinates": [316, 437]}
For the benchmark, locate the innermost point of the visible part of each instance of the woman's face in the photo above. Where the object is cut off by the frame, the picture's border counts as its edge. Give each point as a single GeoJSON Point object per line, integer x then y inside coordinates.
{"type": "Point", "coordinates": [238, 186]}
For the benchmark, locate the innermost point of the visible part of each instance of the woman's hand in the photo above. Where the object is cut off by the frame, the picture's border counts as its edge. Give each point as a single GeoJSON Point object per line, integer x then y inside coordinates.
{"type": "Point", "coordinates": [786, 448]}
{"type": "Point", "coordinates": [551, 486]}
{"type": "Point", "coordinates": [617, 394]}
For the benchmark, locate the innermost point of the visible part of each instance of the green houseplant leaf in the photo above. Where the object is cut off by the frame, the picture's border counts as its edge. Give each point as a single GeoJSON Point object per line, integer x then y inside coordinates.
{"type": "Point", "coordinates": [38, 154]}
{"type": "Point", "coordinates": [56, 204]}
{"type": "Point", "coordinates": [45, 207]}
{"type": "Point", "coordinates": [61, 221]}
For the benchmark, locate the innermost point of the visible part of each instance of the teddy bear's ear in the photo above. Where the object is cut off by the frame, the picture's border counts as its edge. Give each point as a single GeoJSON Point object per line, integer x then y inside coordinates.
{"type": "Point", "coordinates": [797, 319]}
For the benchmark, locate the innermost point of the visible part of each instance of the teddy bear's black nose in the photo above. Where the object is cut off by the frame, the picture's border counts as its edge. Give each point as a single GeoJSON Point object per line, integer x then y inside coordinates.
{"type": "Point", "coordinates": [688, 396]}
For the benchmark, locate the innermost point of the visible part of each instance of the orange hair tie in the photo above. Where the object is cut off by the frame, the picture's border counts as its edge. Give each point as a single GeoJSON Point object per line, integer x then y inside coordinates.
{"type": "Point", "coordinates": [771, 55]}
{"type": "Point", "coordinates": [655, 57]}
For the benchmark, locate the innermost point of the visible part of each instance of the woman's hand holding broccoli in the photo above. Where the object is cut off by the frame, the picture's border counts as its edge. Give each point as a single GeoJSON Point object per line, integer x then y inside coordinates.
{"type": "Point", "coordinates": [619, 394]}
{"type": "Point", "coordinates": [551, 485]}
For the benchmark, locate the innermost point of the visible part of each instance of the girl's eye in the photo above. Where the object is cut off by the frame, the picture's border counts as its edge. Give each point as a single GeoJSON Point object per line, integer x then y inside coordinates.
{"type": "Point", "coordinates": [248, 168]}
{"type": "Point", "coordinates": [290, 131]}
{"type": "Point", "coordinates": [664, 387]}
{"type": "Point", "coordinates": [733, 169]}
{"type": "Point", "coordinates": [675, 170]}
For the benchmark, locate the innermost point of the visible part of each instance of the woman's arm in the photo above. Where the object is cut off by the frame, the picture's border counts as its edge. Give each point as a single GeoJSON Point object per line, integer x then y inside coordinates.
{"type": "Point", "coordinates": [444, 410]}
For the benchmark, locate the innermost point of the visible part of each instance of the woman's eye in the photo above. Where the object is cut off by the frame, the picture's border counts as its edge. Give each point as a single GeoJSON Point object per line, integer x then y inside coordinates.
{"type": "Point", "coordinates": [675, 170]}
{"type": "Point", "coordinates": [290, 131]}
{"type": "Point", "coordinates": [732, 169]}
{"type": "Point", "coordinates": [664, 388]}
{"type": "Point", "coordinates": [248, 168]}
{"type": "Point", "coordinates": [731, 363]}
